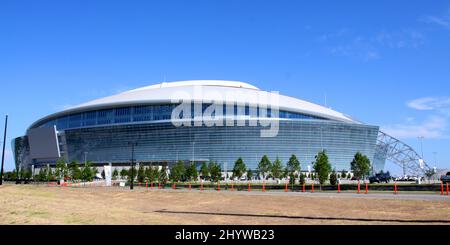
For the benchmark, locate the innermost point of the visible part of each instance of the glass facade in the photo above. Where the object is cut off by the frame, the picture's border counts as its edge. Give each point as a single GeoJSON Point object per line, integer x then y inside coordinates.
{"type": "Point", "coordinates": [103, 136]}
{"type": "Point", "coordinates": [21, 149]}
{"type": "Point", "coordinates": [144, 113]}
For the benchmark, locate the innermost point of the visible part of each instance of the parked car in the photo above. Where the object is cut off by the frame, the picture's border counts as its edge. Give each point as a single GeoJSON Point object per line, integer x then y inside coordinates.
{"type": "Point", "coordinates": [379, 178]}
{"type": "Point", "coordinates": [446, 178]}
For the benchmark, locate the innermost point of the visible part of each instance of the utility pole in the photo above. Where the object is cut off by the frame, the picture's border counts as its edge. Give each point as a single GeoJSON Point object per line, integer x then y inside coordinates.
{"type": "Point", "coordinates": [133, 144]}
{"type": "Point", "coordinates": [3, 152]}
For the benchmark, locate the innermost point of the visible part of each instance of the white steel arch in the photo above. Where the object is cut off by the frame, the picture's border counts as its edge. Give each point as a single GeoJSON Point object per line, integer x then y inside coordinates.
{"type": "Point", "coordinates": [401, 154]}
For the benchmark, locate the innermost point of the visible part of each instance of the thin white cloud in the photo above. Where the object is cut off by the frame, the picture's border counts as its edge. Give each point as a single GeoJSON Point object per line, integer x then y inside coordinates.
{"type": "Point", "coordinates": [334, 35]}
{"type": "Point", "coordinates": [430, 103]}
{"type": "Point", "coordinates": [434, 127]}
{"type": "Point", "coordinates": [406, 38]}
{"type": "Point", "coordinates": [442, 21]}
{"type": "Point", "coordinates": [359, 47]}
{"type": "Point", "coordinates": [347, 43]}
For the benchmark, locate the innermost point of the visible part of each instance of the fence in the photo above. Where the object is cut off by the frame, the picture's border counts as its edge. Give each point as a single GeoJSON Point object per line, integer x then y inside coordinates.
{"type": "Point", "coordinates": [442, 188]}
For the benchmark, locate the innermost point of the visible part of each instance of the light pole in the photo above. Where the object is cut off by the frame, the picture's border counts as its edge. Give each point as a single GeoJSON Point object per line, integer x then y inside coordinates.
{"type": "Point", "coordinates": [3, 152]}
{"type": "Point", "coordinates": [132, 144]}
{"type": "Point", "coordinates": [225, 169]}
{"type": "Point", "coordinates": [435, 158]}
{"type": "Point", "coordinates": [193, 152]}
{"type": "Point", "coordinates": [435, 162]}
{"type": "Point", "coordinates": [85, 157]}
{"type": "Point", "coordinates": [321, 137]}
{"type": "Point", "coordinates": [176, 150]}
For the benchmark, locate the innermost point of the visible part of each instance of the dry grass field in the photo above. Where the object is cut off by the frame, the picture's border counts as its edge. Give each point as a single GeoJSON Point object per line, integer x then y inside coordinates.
{"type": "Point", "coordinates": [29, 204]}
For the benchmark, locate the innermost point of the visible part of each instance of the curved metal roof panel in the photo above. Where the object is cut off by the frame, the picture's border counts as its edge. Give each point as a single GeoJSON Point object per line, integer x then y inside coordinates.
{"type": "Point", "coordinates": [204, 91]}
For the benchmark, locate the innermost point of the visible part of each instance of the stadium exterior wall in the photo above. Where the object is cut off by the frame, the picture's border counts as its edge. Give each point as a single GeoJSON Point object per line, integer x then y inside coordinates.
{"type": "Point", "coordinates": [164, 143]}
{"type": "Point", "coordinates": [101, 130]}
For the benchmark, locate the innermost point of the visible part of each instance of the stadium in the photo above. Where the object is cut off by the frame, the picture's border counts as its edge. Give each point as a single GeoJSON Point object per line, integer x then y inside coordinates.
{"type": "Point", "coordinates": [168, 122]}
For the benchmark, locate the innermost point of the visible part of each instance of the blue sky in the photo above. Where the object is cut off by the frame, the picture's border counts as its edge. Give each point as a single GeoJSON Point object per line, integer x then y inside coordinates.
{"type": "Point", "coordinates": [386, 63]}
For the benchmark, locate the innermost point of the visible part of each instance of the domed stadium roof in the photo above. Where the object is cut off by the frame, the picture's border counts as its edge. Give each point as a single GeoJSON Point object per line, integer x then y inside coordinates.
{"type": "Point", "coordinates": [165, 93]}
{"type": "Point", "coordinates": [218, 83]}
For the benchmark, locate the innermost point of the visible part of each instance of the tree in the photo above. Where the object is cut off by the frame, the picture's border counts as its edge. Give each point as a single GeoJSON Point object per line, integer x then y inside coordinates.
{"type": "Point", "coordinates": [285, 173]}
{"type": "Point", "coordinates": [11, 175]}
{"type": "Point", "coordinates": [322, 167]}
{"type": "Point", "coordinates": [239, 169]}
{"type": "Point", "coordinates": [25, 174]}
{"type": "Point", "coordinates": [74, 171]}
{"type": "Point", "coordinates": [204, 170]}
{"type": "Point", "coordinates": [429, 173]}
{"type": "Point", "coordinates": [50, 175]}
{"type": "Point", "coordinates": [42, 175]}
{"type": "Point", "coordinates": [215, 171]}
{"type": "Point", "coordinates": [194, 172]}
{"type": "Point", "coordinates": [249, 174]}
{"type": "Point", "coordinates": [87, 173]}
{"type": "Point", "coordinates": [123, 173]}
{"type": "Point", "coordinates": [343, 174]}
{"type": "Point", "coordinates": [21, 173]}
{"type": "Point", "coordinates": [293, 167]}
{"type": "Point", "coordinates": [115, 174]}
{"type": "Point", "coordinates": [132, 173]}
{"type": "Point", "coordinates": [141, 173]}
{"type": "Point", "coordinates": [360, 165]}
{"type": "Point", "coordinates": [152, 174]}
{"type": "Point", "coordinates": [277, 169]}
{"type": "Point", "coordinates": [333, 177]}
{"type": "Point", "coordinates": [28, 174]}
{"type": "Point", "coordinates": [264, 166]}
{"type": "Point", "coordinates": [61, 170]}
{"type": "Point", "coordinates": [302, 179]}
{"type": "Point", "coordinates": [191, 172]}
{"type": "Point", "coordinates": [147, 173]}
{"type": "Point", "coordinates": [177, 172]}
{"type": "Point", "coordinates": [292, 179]}
{"type": "Point", "coordinates": [162, 176]}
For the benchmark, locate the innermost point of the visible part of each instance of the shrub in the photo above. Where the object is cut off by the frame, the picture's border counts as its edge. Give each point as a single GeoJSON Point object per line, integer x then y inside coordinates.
{"type": "Point", "coordinates": [302, 179]}
{"type": "Point", "coordinates": [115, 174]}
{"type": "Point", "coordinates": [124, 173]}
{"type": "Point", "coordinates": [333, 178]}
